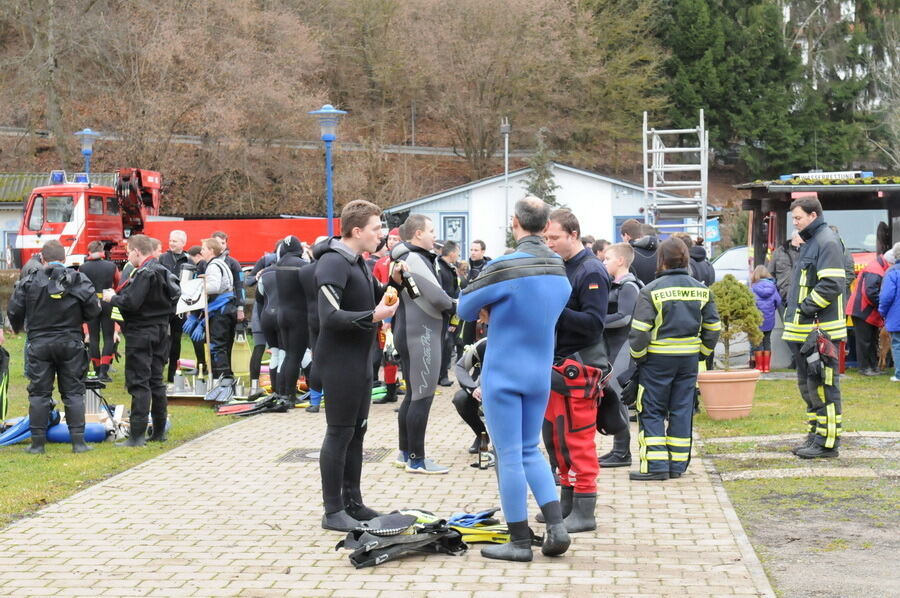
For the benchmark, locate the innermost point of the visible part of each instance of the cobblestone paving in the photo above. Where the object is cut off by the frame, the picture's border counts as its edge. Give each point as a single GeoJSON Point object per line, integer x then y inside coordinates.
{"type": "Point", "coordinates": [223, 516]}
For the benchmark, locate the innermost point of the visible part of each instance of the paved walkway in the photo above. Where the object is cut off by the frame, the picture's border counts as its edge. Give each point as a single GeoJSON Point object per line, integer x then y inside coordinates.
{"type": "Point", "coordinates": [225, 515]}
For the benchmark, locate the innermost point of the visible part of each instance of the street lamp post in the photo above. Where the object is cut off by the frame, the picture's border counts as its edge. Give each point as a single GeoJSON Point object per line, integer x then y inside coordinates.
{"type": "Point", "coordinates": [504, 130]}
{"type": "Point", "coordinates": [328, 117]}
{"type": "Point", "coordinates": [86, 136]}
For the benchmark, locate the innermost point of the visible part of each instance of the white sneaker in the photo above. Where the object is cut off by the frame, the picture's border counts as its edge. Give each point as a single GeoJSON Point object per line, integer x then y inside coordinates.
{"type": "Point", "coordinates": [895, 379]}
{"type": "Point", "coordinates": [428, 467]}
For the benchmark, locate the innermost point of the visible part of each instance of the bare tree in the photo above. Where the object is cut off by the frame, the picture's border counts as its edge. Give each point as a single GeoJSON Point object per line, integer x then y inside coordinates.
{"type": "Point", "coordinates": [887, 76]}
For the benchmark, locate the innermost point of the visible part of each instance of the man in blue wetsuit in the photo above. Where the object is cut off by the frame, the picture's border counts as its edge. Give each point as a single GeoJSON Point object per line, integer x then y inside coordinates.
{"type": "Point", "coordinates": [525, 292]}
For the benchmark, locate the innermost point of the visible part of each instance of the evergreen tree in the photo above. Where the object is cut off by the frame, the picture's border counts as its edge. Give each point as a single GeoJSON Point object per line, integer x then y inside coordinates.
{"type": "Point", "coordinates": [539, 182]}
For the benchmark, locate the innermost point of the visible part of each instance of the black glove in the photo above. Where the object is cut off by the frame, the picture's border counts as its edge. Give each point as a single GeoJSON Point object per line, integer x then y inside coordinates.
{"type": "Point", "coordinates": [630, 390]}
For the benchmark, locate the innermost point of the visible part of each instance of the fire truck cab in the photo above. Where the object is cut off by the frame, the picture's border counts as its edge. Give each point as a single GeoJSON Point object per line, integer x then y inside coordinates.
{"type": "Point", "coordinates": [75, 212]}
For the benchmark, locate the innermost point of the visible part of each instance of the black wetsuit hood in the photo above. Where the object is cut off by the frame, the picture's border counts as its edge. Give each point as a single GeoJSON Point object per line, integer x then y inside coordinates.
{"type": "Point", "coordinates": [336, 245]}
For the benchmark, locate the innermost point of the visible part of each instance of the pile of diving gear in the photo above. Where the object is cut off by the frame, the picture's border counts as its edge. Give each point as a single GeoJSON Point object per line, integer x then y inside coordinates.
{"type": "Point", "coordinates": [409, 532]}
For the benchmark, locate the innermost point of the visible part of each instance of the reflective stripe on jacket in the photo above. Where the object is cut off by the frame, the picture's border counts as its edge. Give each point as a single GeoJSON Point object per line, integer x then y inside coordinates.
{"type": "Point", "coordinates": [817, 286]}
{"type": "Point", "coordinates": [675, 315]}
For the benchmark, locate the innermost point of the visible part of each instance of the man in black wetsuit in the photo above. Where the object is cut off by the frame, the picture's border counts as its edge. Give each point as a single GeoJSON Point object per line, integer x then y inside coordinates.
{"type": "Point", "coordinates": [103, 274]}
{"type": "Point", "coordinates": [146, 300]}
{"type": "Point", "coordinates": [350, 302]}
{"type": "Point", "coordinates": [293, 324]}
{"type": "Point", "coordinates": [51, 304]}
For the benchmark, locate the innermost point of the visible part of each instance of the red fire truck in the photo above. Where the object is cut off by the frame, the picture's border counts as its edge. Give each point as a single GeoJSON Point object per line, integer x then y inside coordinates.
{"type": "Point", "coordinates": [76, 212]}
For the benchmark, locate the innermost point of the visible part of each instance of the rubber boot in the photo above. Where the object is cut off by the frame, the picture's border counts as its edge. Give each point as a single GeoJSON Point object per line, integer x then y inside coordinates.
{"type": "Point", "coordinates": [556, 539]}
{"type": "Point", "coordinates": [620, 455]}
{"type": "Point", "coordinates": [136, 436]}
{"type": "Point", "coordinates": [565, 503]}
{"type": "Point", "coordinates": [582, 519]}
{"type": "Point", "coordinates": [767, 361]}
{"type": "Point", "coordinates": [757, 361]}
{"type": "Point", "coordinates": [159, 431]}
{"type": "Point", "coordinates": [37, 443]}
{"type": "Point", "coordinates": [518, 548]}
{"type": "Point", "coordinates": [78, 444]}
{"type": "Point", "coordinates": [339, 522]}
{"type": "Point", "coordinates": [389, 397]}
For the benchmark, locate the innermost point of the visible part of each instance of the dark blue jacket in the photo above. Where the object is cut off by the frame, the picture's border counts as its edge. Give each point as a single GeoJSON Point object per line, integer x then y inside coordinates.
{"type": "Point", "coordinates": [581, 323]}
{"type": "Point", "coordinates": [767, 301]}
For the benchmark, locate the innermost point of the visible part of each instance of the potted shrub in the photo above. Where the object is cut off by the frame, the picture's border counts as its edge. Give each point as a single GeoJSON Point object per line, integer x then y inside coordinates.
{"type": "Point", "coordinates": [728, 394]}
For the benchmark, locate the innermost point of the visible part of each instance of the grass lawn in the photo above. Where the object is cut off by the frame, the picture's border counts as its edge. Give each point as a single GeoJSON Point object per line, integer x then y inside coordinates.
{"type": "Point", "coordinates": [869, 403]}
{"type": "Point", "coordinates": [29, 481]}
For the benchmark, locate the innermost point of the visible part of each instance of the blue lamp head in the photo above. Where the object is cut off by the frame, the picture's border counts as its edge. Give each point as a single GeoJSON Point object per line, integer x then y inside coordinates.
{"type": "Point", "coordinates": [328, 117]}
{"type": "Point", "coordinates": [86, 136]}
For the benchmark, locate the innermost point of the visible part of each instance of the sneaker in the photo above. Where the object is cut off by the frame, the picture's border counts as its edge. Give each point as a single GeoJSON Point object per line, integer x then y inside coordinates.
{"type": "Point", "coordinates": [400, 462]}
{"type": "Point", "coordinates": [895, 379]}
{"type": "Point", "coordinates": [428, 467]}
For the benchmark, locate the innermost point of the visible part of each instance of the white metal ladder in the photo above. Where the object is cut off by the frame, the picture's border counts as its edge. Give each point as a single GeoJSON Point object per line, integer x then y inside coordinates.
{"type": "Point", "coordinates": [670, 169]}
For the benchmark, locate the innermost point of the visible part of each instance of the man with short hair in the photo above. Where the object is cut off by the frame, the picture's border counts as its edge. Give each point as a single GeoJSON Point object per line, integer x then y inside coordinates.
{"type": "Point", "coordinates": [146, 301]}
{"type": "Point", "coordinates": [450, 284]}
{"type": "Point", "coordinates": [418, 336]}
{"type": "Point", "coordinates": [51, 304]}
{"type": "Point", "coordinates": [103, 274]}
{"type": "Point", "coordinates": [816, 300]}
{"type": "Point", "coordinates": [525, 292]}
{"type": "Point", "coordinates": [350, 304]}
{"type": "Point", "coordinates": [599, 248]}
{"type": "Point", "coordinates": [174, 261]}
{"type": "Point", "coordinates": [644, 244]}
{"type": "Point", "coordinates": [468, 331]}
{"type": "Point", "coordinates": [579, 362]}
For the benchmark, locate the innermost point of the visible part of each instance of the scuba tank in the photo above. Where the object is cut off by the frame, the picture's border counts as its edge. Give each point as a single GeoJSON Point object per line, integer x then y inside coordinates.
{"type": "Point", "coordinates": [240, 352]}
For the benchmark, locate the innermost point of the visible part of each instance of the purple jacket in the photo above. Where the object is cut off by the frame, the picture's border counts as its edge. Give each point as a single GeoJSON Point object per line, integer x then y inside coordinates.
{"type": "Point", "coordinates": [767, 301]}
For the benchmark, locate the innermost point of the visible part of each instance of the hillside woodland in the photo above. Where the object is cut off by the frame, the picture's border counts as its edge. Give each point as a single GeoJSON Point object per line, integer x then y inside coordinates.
{"type": "Point", "coordinates": [786, 86]}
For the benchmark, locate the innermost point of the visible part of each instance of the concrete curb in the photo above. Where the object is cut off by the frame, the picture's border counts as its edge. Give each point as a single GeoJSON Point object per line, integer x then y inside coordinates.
{"type": "Point", "coordinates": [751, 559]}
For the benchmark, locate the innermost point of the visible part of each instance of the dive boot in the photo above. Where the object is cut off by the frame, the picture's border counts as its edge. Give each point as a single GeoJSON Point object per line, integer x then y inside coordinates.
{"type": "Point", "coordinates": [620, 455]}
{"type": "Point", "coordinates": [810, 440]}
{"type": "Point", "coordinates": [103, 373]}
{"type": "Point", "coordinates": [518, 549]}
{"type": "Point", "coordinates": [340, 521]}
{"type": "Point", "coordinates": [353, 505]}
{"type": "Point", "coordinates": [815, 451]}
{"type": "Point", "coordinates": [556, 538]}
{"type": "Point", "coordinates": [565, 503]}
{"type": "Point", "coordinates": [78, 444]}
{"type": "Point", "coordinates": [37, 443]}
{"type": "Point", "coordinates": [136, 436]}
{"type": "Point", "coordinates": [582, 519]}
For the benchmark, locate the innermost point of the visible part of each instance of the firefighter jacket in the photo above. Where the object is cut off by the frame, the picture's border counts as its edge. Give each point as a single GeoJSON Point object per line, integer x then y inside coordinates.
{"type": "Point", "coordinates": [863, 301]}
{"type": "Point", "coordinates": [53, 302]}
{"type": "Point", "coordinates": [675, 315]}
{"type": "Point", "coordinates": [817, 288]}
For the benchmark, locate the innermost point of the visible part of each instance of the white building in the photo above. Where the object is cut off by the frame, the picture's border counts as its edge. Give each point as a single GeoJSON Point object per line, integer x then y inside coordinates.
{"type": "Point", "coordinates": [479, 210]}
